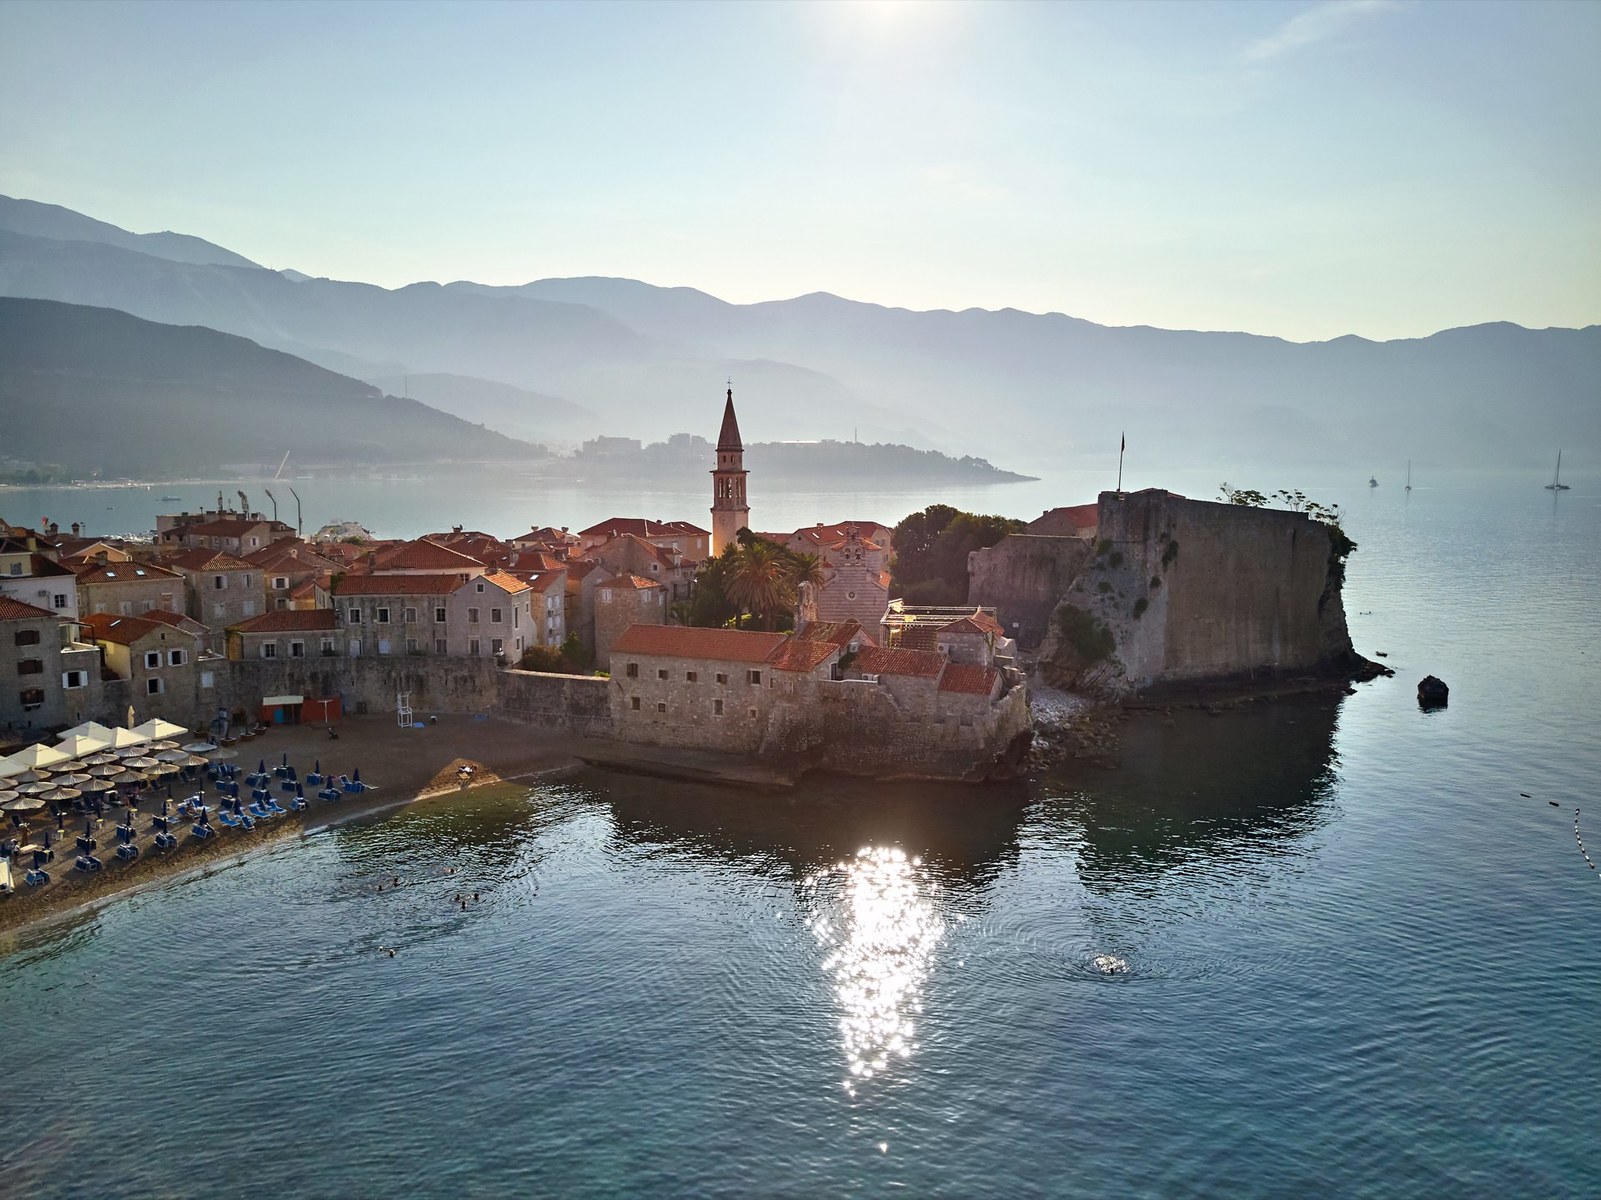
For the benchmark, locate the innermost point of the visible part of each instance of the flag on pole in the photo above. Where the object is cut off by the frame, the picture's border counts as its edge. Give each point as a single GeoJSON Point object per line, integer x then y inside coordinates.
{"type": "Point", "coordinates": [1122, 443]}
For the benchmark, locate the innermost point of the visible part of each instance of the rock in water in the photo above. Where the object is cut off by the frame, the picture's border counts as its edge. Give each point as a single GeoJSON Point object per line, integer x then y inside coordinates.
{"type": "Point", "coordinates": [1432, 693]}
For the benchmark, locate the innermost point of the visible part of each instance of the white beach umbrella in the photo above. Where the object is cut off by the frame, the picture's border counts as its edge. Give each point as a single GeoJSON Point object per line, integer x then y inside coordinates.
{"type": "Point", "coordinates": [92, 729]}
{"type": "Point", "coordinates": [200, 747]}
{"type": "Point", "coordinates": [35, 757]}
{"type": "Point", "coordinates": [78, 744]}
{"type": "Point", "coordinates": [121, 738]}
{"type": "Point", "coordinates": [157, 728]}
{"type": "Point", "coordinates": [9, 768]}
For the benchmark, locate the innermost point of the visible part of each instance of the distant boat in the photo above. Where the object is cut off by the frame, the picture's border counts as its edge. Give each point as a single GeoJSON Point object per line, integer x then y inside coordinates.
{"type": "Point", "coordinates": [1409, 474]}
{"type": "Point", "coordinates": [1372, 481]}
{"type": "Point", "coordinates": [1556, 484]}
{"type": "Point", "coordinates": [172, 497]}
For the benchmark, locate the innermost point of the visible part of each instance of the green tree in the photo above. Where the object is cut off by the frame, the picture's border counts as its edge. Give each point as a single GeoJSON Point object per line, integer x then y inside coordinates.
{"type": "Point", "coordinates": [759, 581]}
{"type": "Point", "coordinates": [931, 549]}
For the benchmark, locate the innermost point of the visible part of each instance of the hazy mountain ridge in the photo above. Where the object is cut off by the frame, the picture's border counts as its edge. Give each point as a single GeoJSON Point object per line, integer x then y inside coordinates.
{"type": "Point", "coordinates": [1029, 390]}
{"type": "Point", "coordinates": [99, 391]}
{"type": "Point", "coordinates": [31, 218]}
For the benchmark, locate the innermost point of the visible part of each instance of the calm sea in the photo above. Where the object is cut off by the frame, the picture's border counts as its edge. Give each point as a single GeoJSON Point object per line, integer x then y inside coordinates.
{"type": "Point", "coordinates": [1321, 947]}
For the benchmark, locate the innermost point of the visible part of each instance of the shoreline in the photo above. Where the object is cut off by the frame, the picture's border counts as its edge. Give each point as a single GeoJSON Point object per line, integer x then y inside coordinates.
{"type": "Point", "coordinates": [500, 751]}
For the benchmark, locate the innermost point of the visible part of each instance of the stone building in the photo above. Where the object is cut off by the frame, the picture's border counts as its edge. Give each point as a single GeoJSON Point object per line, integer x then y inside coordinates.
{"type": "Point", "coordinates": [286, 634]}
{"type": "Point", "coordinates": [129, 589]}
{"type": "Point", "coordinates": [689, 542]}
{"type": "Point", "coordinates": [285, 565]}
{"type": "Point", "coordinates": [31, 576]}
{"type": "Point", "coordinates": [730, 507]}
{"type": "Point", "coordinates": [855, 584]}
{"type": "Point", "coordinates": [48, 678]}
{"type": "Point", "coordinates": [622, 601]}
{"type": "Point", "coordinates": [238, 534]}
{"type": "Point", "coordinates": [629, 554]}
{"type": "Point", "coordinates": [220, 588]}
{"type": "Point", "coordinates": [490, 615]}
{"type": "Point", "coordinates": [157, 661]}
{"type": "Point", "coordinates": [393, 614]}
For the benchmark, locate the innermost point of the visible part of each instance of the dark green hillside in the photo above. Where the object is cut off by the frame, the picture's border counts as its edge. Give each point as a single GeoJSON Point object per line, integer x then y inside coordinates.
{"type": "Point", "coordinates": [96, 390]}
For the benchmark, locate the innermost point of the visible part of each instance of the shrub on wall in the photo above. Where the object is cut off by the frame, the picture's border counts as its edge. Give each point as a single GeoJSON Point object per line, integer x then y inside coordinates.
{"type": "Point", "coordinates": [1087, 638]}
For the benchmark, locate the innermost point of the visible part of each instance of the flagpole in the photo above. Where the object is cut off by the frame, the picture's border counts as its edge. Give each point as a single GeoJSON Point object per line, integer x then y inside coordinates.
{"type": "Point", "coordinates": [1122, 444]}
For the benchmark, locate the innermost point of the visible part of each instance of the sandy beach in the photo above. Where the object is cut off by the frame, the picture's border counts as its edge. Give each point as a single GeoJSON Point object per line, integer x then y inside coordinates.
{"type": "Point", "coordinates": [401, 764]}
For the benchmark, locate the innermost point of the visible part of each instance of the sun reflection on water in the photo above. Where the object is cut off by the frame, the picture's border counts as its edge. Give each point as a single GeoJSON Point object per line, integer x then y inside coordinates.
{"type": "Point", "coordinates": [876, 916]}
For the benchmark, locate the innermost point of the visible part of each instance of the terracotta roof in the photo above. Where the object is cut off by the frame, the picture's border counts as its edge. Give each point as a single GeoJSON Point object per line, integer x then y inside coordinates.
{"type": "Point", "coordinates": [685, 641]}
{"type": "Point", "coordinates": [16, 610]}
{"type": "Point", "coordinates": [668, 557]}
{"type": "Point", "coordinates": [396, 585]}
{"type": "Point", "coordinates": [201, 559]}
{"type": "Point", "coordinates": [290, 620]}
{"type": "Point", "coordinates": [40, 567]}
{"type": "Point", "coordinates": [546, 580]}
{"type": "Point", "coordinates": [1066, 521]}
{"type": "Point", "coordinates": [640, 527]}
{"type": "Point", "coordinates": [124, 631]}
{"type": "Point", "coordinates": [423, 556]}
{"type": "Point", "coordinates": [838, 633]}
{"type": "Point", "coordinates": [973, 679]}
{"type": "Point", "coordinates": [638, 582]}
{"type": "Point", "coordinates": [125, 572]}
{"type": "Point", "coordinates": [223, 527]}
{"type": "Point", "coordinates": [505, 582]}
{"type": "Point", "coordinates": [580, 568]}
{"type": "Point", "coordinates": [921, 635]}
{"type": "Point", "coordinates": [966, 625]}
{"type": "Point", "coordinates": [798, 654]}
{"type": "Point", "coordinates": [876, 660]}
{"type": "Point", "coordinates": [308, 587]}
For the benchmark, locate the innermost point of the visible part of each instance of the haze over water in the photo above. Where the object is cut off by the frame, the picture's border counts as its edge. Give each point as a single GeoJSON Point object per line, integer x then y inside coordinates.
{"type": "Point", "coordinates": [1357, 960]}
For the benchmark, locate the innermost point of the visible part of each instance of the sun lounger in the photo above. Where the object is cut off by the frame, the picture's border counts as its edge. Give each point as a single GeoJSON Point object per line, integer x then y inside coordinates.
{"type": "Point", "coordinates": [165, 841]}
{"type": "Point", "coordinates": [88, 862]}
{"type": "Point", "coordinates": [127, 851]}
{"type": "Point", "coordinates": [36, 876]}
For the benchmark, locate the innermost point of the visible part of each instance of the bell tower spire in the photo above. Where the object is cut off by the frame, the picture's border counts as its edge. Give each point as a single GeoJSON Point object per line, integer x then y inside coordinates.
{"type": "Point", "coordinates": [730, 512]}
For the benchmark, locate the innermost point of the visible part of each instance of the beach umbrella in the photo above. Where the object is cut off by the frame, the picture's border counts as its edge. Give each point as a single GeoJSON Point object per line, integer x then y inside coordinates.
{"type": "Point", "coordinates": [157, 728]}
{"type": "Point", "coordinates": [121, 738]}
{"type": "Point", "coordinates": [7, 794]}
{"type": "Point", "coordinates": [26, 777]}
{"type": "Point", "coordinates": [38, 756]}
{"type": "Point", "coordinates": [174, 755]}
{"type": "Point", "coordinates": [261, 766]}
{"type": "Point", "coordinates": [355, 776]}
{"type": "Point", "coordinates": [23, 804]}
{"type": "Point", "coordinates": [286, 758]}
{"type": "Point", "coordinates": [158, 747]}
{"type": "Point", "coordinates": [9, 769]}
{"type": "Point", "coordinates": [300, 790]}
{"type": "Point", "coordinates": [106, 771]}
{"type": "Point", "coordinates": [104, 759]}
{"type": "Point", "coordinates": [316, 767]}
{"type": "Point", "coordinates": [94, 784]}
{"type": "Point", "coordinates": [71, 779]}
{"type": "Point", "coordinates": [198, 747]}
{"type": "Point", "coordinates": [37, 788]}
{"type": "Point", "coordinates": [78, 744]}
{"type": "Point", "coordinates": [57, 794]}
{"type": "Point", "coordinates": [142, 762]}
{"type": "Point", "coordinates": [165, 768]}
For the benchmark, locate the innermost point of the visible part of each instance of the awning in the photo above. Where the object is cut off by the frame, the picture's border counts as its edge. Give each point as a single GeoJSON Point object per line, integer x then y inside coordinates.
{"type": "Point", "coordinates": [281, 701]}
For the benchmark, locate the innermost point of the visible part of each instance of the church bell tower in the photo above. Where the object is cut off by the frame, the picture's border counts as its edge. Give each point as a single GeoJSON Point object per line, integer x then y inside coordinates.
{"type": "Point", "coordinates": [730, 512]}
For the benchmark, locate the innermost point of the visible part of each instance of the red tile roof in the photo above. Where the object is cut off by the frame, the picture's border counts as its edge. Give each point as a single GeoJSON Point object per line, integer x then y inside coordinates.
{"type": "Point", "coordinates": [973, 679]}
{"type": "Point", "coordinates": [124, 631]}
{"type": "Point", "coordinates": [545, 580]}
{"type": "Point", "coordinates": [876, 660]}
{"type": "Point", "coordinates": [505, 582]}
{"type": "Point", "coordinates": [126, 572]}
{"type": "Point", "coordinates": [684, 641]}
{"type": "Point", "coordinates": [16, 610]}
{"type": "Point", "coordinates": [921, 635]}
{"type": "Point", "coordinates": [202, 559]}
{"type": "Point", "coordinates": [638, 582]}
{"type": "Point", "coordinates": [290, 620]}
{"type": "Point", "coordinates": [640, 527]}
{"type": "Point", "coordinates": [798, 654]}
{"type": "Point", "coordinates": [423, 556]}
{"type": "Point", "coordinates": [396, 585]}
{"type": "Point", "coordinates": [176, 620]}
{"type": "Point", "coordinates": [838, 633]}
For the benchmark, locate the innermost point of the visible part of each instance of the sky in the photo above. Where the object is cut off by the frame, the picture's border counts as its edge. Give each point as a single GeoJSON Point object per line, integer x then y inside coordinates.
{"type": "Point", "coordinates": [1307, 170]}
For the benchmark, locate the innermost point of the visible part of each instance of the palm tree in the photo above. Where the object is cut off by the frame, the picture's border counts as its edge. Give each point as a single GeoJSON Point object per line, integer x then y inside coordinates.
{"type": "Point", "coordinates": [805, 567]}
{"type": "Point", "coordinates": [759, 582]}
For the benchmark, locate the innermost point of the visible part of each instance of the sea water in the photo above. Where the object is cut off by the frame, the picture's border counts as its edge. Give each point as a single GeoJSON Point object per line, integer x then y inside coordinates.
{"type": "Point", "coordinates": [1321, 946]}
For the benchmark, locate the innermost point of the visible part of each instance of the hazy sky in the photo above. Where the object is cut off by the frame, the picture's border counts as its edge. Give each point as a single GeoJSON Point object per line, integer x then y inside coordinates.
{"type": "Point", "coordinates": [1307, 170]}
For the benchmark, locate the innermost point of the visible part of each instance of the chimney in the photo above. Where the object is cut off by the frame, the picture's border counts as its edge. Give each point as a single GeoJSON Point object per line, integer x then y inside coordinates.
{"type": "Point", "coordinates": [76, 529]}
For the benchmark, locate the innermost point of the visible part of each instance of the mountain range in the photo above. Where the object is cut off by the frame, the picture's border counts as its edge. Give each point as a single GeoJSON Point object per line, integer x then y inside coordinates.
{"type": "Point", "coordinates": [562, 359]}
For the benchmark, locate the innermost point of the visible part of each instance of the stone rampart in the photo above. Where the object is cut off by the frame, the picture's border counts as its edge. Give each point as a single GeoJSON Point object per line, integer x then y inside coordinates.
{"type": "Point", "coordinates": [1191, 591]}
{"type": "Point", "coordinates": [564, 703]}
{"type": "Point", "coordinates": [1023, 577]}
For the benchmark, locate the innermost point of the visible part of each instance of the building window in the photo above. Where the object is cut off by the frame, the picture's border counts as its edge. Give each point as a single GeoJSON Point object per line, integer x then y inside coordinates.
{"type": "Point", "coordinates": [633, 671]}
{"type": "Point", "coordinates": [248, 582]}
{"type": "Point", "coordinates": [383, 615]}
{"type": "Point", "coordinates": [661, 673]}
{"type": "Point", "coordinates": [717, 708]}
{"type": "Point", "coordinates": [152, 659]}
{"type": "Point", "coordinates": [754, 677]}
{"type": "Point", "coordinates": [125, 607]}
{"type": "Point", "coordinates": [297, 649]}
{"type": "Point", "coordinates": [721, 678]}
{"type": "Point", "coordinates": [208, 679]}
{"type": "Point", "coordinates": [472, 616]}
{"type": "Point", "coordinates": [354, 648]}
{"type": "Point", "coordinates": [31, 666]}
{"type": "Point", "coordinates": [175, 658]}
{"type": "Point", "coordinates": [383, 645]}
{"type": "Point", "coordinates": [282, 604]}
{"type": "Point", "coordinates": [154, 687]}
{"type": "Point", "coordinates": [496, 646]}
{"type": "Point", "coordinates": [411, 616]}
{"type": "Point", "coordinates": [31, 697]}
{"type": "Point", "coordinates": [269, 649]}
{"type": "Point", "coordinates": [691, 676]}
{"type": "Point", "coordinates": [60, 600]}
{"type": "Point", "coordinates": [439, 616]}
{"type": "Point", "coordinates": [218, 582]}
{"type": "Point", "coordinates": [633, 703]}
{"type": "Point", "coordinates": [74, 679]}
{"type": "Point", "coordinates": [515, 613]}
{"type": "Point", "coordinates": [480, 587]}
{"type": "Point", "coordinates": [353, 616]}
{"type": "Point", "coordinates": [661, 706]}
{"type": "Point", "coordinates": [441, 648]}
{"type": "Point", "coordinates": [16, 568]}
{"type": "Point", "coordinates": [473, 647]}
{"type": "Point", "coordinates": [412, 646]}
{"type": "Point", "coordinates": [495, 617]}
{"type": "Point", "coordinates": [27, 637]}
{"type": "Point", "coordinates": [279, 582]}
{"type": "Point", "coordinates": [325, 646]}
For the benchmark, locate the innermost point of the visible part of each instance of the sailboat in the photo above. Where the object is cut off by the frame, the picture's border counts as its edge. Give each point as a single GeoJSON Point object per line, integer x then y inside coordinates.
{"type": "Point", "coordinates": [1556, 484]}
{"type": "Point", "coordinates": [1373, 481]}
{"type": "Point", "coordinates": [1409, 474]}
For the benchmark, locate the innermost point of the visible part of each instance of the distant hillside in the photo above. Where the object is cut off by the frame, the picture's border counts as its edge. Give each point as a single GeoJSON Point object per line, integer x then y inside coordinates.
{"type": "Point", "coordinates": [33, 219]}
{"type": "Point", "coordinates": [1043, 392]}
{"type": "Point", "coordinates": [100, 391]}
{"type": "Point", "coordinates": [511, 410]}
